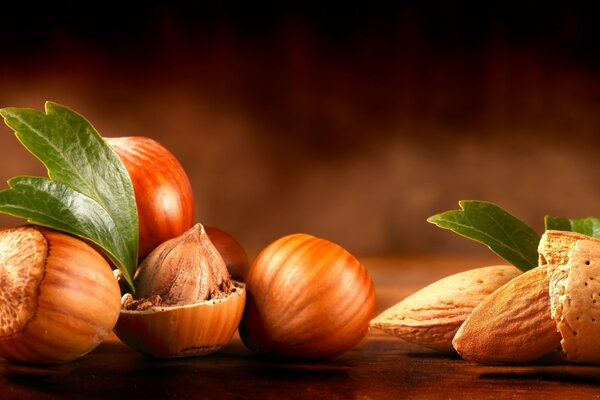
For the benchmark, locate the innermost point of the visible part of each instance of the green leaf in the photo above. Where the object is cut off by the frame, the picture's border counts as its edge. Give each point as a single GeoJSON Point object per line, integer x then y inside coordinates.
{"type": "Point", "coordinates": [76, 157]}
{"type": "Point", "coordinates": [589, 226]}
{"type": "Point", "coordinates": [487, 223]}
{"type": "Point", "coordinates": [44, 202]}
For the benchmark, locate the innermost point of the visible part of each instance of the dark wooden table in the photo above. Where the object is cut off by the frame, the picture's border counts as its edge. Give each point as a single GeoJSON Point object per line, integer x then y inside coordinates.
{"type": "Point", "coordinates": [381, 367]}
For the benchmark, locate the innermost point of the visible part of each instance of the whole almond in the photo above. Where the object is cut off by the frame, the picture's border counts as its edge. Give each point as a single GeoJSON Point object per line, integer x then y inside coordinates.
{"type": "Point", "coordinates": [431, 316]}
{"type": "Point", "coordinates": [512, 325]}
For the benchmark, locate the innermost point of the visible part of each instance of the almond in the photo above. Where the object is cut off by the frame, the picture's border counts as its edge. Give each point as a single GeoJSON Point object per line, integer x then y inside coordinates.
{"type": "Point", "coordinates": [554, 247]}
{"type": "Point", "coordinates": [574, 260]}
{"type": "Point", "coordinates": [511, 325]}
{"type": "Point", "coordinates": [431, 316]}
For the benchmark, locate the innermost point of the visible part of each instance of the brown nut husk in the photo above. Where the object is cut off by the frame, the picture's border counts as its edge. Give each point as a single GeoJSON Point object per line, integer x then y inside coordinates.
{"type": "Point", "coordinates": [512, 325]}
{"type": "Point", "coordinates": [185, 303]}
{"type": "Point", "coordinates": [431, 316]}
{"type": "Point", "coordinates": [58, 296]}
{"type": "Point", "coordinates": [574, 262]}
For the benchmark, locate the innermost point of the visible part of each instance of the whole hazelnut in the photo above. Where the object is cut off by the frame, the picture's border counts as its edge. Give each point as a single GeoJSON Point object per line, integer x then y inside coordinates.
{"type": "Point", "coordinates": [307, 298]}
{"type": "Point", "coordinates": [231, 250]}
{"type": "Point", "coordinates": [163, 192]}
{"type": "Point", "coordinates": [58, 296]}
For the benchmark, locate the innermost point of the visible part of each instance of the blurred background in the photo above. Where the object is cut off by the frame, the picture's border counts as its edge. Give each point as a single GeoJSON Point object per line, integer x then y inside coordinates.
{"type": "Point", "coordinates": [350, 121]}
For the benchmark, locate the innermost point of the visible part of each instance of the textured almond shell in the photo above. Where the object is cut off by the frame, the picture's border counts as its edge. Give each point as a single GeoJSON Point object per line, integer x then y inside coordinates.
{"type": "Point", "coordinates": [553, 252]}
{"type": "Point", "coordinates": [431, 316]}
{"type": "Point", "coordinates": [573, 263]}
{"type": "Point", "coordinates": [577, 312]}
{"type": "Point", "coordinates": [180, 331]}
{"type": "Point", "coordinates": [554, 247]}
{"type": "Point", "coordinates": [511, 325]}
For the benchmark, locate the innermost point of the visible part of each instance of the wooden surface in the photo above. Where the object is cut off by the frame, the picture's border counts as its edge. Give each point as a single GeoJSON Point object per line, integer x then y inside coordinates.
{"type": "Point", "coordinates": [381, 367]}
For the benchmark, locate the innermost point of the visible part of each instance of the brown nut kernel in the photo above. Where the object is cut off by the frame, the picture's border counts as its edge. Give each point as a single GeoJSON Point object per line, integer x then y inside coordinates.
{"type": "Point", "coordinates": [185, 304]}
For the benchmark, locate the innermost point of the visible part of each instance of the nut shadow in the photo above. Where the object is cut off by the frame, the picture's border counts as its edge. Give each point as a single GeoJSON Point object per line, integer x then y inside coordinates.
{"type": "Point", "coordinates": [584, 374]}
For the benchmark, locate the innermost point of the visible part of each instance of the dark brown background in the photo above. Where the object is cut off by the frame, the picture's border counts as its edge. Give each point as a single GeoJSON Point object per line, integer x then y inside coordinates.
{"type": "Point", "coordinates": [349, 121]}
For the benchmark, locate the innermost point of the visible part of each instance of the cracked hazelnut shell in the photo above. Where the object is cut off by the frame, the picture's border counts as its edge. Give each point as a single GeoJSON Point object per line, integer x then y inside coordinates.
{"type": "Point", "coordinates": [182, 331]}
{"type": "Point", "coordinates": [185, 303]}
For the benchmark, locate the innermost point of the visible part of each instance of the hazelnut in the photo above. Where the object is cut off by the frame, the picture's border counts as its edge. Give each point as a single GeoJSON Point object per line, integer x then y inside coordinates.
{"type": "Point", "coordinates": [163, 192]}
{"type": "Point", "coordinates": [58, 297]}
{"type": "Point", "coordinates": [307, 298]}
{"type": "Point", "coordinates": [233, 253]}
{"type": "Point", "coordinates": [185, 304]}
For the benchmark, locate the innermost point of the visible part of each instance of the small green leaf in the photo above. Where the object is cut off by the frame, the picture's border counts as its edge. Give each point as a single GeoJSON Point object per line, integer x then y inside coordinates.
{"type": "Point", "coordinates": [487, 223]}
{"type": "Point", "coordinates": [589, 226]}
{"type": "Point", "coordinates": [76, 157]}
{"type": "Point", "coordinates": [47, 203]}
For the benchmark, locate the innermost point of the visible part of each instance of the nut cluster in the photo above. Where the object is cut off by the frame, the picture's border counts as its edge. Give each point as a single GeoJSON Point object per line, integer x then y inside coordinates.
{"type": "Point", "coordinates": [528, 317]}
{"type": "Point", "coordinates": [432, 316]}
{"type": "Point", "coordinates": [307, 297]}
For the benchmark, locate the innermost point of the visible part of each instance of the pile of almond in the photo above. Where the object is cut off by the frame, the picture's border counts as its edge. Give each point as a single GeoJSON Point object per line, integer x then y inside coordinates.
{"type": "Point", "coordinates": [497, 314]}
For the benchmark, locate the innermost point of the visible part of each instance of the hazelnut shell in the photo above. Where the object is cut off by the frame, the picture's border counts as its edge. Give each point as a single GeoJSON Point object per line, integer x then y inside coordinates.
{"type": "Point", "coordinates": [181, 331]}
